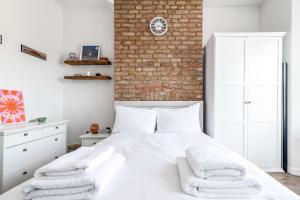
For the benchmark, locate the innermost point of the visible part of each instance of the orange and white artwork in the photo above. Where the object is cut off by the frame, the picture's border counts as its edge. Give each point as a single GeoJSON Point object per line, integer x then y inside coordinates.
{"type": "Point", "coordinates": [12, 108]}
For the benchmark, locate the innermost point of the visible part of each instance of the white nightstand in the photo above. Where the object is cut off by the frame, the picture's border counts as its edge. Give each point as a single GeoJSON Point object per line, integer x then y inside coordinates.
{"type": "Point", "coordinates": [89, 139]}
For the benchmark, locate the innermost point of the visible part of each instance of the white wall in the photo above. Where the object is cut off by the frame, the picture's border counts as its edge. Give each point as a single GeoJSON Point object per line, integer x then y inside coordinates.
{"type": "Point", "coordinates": [294, 158]}
{"type": "Point", "coordinates": [284, 15]}
{"type": "Point", "coordinates": [37, 24]}
{"type": "Point", "coordinates": [86, 102]}
{"type": "Point", "coordinates": [229, 19]}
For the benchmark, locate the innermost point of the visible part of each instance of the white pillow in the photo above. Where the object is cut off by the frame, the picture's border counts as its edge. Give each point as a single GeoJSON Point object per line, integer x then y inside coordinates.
{"type": "Point", "coordinates": [136, 120]}
{"type": "Point", "coordinates": [178, 119]}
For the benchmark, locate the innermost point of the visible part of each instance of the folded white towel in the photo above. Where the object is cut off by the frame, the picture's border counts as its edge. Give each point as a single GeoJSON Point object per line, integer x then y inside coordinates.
{"type": "Point", "coordinates": [108, 170]}
{"type": "Point", "coordinates": [98, 179]}
{"type": "Point", "coordinates": [42, 183]}
{"type": "Point", "coordinates": [57, 192]}
{"type": "Point", "coordinates": [198, 187]}
{"type": "Point", "coordinates": [80, 196]}
{"type": "Point", "coordinates": [79, 162]}
{"type": "Point", "coordinates": [211, 163]}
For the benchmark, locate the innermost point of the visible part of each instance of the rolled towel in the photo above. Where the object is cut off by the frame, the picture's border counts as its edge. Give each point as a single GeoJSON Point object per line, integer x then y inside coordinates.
{"type": "Point", "coordinates": [78, 162]}
{"type": "Point", "coordinates": [62, 186]}
{"type": "Point", "coordinates": [211, 163]}
{"type": "Point", "coordinates": [198, 187]}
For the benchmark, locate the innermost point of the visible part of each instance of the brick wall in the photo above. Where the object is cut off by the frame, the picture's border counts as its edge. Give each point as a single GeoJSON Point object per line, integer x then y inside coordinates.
{"type": "Point", "coordinates": [158, 68]}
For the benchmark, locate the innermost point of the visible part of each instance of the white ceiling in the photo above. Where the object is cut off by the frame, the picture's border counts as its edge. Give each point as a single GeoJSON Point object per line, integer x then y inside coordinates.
{"type": "Point", "coordinates": [233, 2]}
{"type": "Point", "coordinates": [208, 3]}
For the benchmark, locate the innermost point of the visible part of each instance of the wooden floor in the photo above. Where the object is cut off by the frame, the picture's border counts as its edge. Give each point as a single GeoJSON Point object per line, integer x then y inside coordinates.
{"type": "Point", "coordinates": [290, 181]}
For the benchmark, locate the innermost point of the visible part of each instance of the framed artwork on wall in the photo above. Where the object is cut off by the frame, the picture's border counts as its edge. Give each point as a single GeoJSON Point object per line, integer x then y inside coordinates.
{"type": "Point", "coordinates": [33, 52]}
{"type": "Point", "coordinates": [90, 52]}
{"type": "Point", "coordinates": [12, 108]}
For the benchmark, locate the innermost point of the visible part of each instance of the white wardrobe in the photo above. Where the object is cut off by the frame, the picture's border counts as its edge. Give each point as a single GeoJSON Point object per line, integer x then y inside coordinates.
{"type": "Point", "coordinates": [243, 95]}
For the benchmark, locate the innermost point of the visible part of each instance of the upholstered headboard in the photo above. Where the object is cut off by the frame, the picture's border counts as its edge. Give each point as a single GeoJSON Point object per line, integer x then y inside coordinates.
{"type": "Point", "coordinates": [165, 104]}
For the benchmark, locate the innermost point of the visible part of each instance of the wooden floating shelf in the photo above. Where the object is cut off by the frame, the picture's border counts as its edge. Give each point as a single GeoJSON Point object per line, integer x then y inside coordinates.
{"type": "Point", "coordinates": [87, 77]}
{"type": "Point", "coordinates": [86, 62]}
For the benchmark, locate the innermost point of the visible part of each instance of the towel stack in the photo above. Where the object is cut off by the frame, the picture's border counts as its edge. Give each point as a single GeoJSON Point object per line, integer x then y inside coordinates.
{"type": "Point", "coordinates": [75, 175]}
{"type": "Point", "coordinates": [208, 173]}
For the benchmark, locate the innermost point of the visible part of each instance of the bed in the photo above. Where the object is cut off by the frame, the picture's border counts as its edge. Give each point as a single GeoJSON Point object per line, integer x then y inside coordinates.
{"type": "Point", "coordinates": [150, 171]}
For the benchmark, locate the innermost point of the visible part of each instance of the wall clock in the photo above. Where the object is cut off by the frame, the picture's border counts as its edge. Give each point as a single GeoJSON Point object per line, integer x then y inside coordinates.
{"type": "Point", "coordinates": [158, 26]}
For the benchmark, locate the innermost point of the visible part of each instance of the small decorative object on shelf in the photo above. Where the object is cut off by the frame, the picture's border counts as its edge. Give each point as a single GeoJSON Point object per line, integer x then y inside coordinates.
{"type": "Point", "coordinates": [94, 128]}
{"type": "Point", "coordinates": [104, 60]}
{"type": "Point", "coordinates": [98, 74]}
{"type": "Point", "coordinates": [90, 52]}
{"type": "Point", "coordinates": [73, 56]}
{"type": "Point", "coordinates": [41, 119]}
{"type": "Point", "coordinates": [108, 130]}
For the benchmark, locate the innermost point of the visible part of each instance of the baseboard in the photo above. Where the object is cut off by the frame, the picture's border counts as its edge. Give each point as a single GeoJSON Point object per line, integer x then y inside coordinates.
{"type": "Point", "coordinates": [294, 171]}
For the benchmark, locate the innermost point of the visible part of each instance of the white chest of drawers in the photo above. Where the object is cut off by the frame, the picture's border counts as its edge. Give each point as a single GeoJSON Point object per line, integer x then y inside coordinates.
{"type": "Point", "coordinates": [26, 147]}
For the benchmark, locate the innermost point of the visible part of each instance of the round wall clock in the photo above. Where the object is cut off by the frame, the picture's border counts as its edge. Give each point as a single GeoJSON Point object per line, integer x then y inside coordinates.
{"type": "Point", "coordinates": [158, 26]}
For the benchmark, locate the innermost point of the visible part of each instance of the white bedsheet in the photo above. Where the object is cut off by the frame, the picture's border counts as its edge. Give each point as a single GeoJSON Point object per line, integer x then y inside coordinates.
{"type": "Point", "coordinates": [150, 171]}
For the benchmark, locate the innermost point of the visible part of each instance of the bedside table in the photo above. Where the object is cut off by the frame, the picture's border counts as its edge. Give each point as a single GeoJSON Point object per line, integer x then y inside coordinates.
{"type": "Point", "coordinates": [89, 139]}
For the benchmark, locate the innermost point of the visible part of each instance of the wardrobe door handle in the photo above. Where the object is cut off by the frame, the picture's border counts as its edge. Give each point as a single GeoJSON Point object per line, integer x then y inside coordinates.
{"type": "Point", "coordinates": [24, 173]}
{"type": "Point", "coordinates": [56, 139]}
{"type": "Point", "coordinates": [56, 127]}
{"type": "Point", "coordinates": [247, 102]}
{"type": "Point", "coordinates": [24, 150]}
{"type": "Point", "coordinates": [56, 157]}
{"type": "Point", "coordinates": [25, 134]}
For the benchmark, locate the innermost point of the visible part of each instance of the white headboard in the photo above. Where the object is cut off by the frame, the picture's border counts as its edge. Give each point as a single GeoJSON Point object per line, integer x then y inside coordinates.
{"type": "Point", "coordinates": [165, 104]}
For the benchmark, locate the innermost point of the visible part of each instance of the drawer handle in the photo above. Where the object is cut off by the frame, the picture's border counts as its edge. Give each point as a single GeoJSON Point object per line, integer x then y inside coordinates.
{"type": "Point", "coordinates": [25, 134]}
{"type": "Point", "coordinates": [56, 127]}
{"type": "Point", "coordinates": [24, 150]}
{"type": "Point", "coordinates": [56, 139]}
{"type": "Point", "coordinates": [24, 173]}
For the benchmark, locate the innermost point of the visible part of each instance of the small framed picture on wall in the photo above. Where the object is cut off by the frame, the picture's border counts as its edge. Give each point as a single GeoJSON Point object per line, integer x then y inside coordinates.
{"type": "Point", "coordinates": [90, 52]}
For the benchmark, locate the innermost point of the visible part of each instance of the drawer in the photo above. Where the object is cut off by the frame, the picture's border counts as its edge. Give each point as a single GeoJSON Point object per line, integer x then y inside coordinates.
{"type": "Point", "coordinates": [52, 130]}
{"type": "Point", "coordinates": [17, 156]}
{"type": "Point", "coordinates": [43, 151]}
{"type": "Point", "coordinates": [56, 141]}
{"type": "Point", "coordinates": [90, 142]}
{"type": "Point", "coordinates": [20, 138]}
{"type": "Point", "coordinates": [18, 176]}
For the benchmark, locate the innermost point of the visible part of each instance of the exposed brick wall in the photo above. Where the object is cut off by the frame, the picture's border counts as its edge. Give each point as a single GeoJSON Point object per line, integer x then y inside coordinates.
{"type": "Point", "coordinates": [158, 68]}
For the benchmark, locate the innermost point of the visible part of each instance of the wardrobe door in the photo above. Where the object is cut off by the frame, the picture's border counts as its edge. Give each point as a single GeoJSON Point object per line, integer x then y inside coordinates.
{"type": "Point", "coordinates": [263, 102]}
{"type": "Point", "coordinates": [229, 93]}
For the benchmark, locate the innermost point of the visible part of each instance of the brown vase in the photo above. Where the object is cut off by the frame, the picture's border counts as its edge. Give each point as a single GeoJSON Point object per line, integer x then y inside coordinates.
{"type": "Point", "coordinates": [94, 128]}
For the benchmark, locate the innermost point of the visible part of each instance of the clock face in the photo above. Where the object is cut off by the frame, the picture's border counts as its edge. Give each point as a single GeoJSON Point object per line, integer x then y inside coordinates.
{"type": "Point", "coordinates": [158, 26]}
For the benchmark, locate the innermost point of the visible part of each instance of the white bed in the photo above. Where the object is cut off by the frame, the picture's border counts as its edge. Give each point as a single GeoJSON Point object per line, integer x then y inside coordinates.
{"type": "Point", "coordinates": [150, 171]}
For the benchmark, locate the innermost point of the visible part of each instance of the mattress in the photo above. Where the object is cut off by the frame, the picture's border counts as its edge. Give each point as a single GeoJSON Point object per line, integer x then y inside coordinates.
{"type": "Point", "coordinates": [150, 171]}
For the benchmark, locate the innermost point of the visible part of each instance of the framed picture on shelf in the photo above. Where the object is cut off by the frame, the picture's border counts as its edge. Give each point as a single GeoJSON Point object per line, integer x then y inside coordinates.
{"type": "Point", "coordinates": [12, 108]}
{"type": "Point", "coordinates": [90, 52]}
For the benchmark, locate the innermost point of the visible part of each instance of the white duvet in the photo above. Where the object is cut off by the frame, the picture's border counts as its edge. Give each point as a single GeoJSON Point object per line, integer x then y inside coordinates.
{"type": "Point", "coordinates": [150, 171]}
